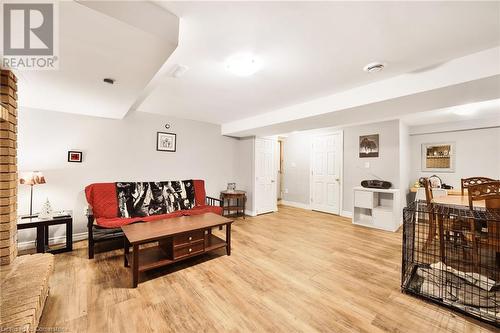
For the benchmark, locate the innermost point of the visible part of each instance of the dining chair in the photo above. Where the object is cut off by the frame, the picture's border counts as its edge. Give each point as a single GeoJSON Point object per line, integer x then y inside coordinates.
{"type": "Point", "coordinates": [490, 193]}
{"type": "Point", "coordinates": [431, 233]}
{"type": "Point", "coordinates": [466, 182]}
{"type": "Point", "coordinates": [451, 230]}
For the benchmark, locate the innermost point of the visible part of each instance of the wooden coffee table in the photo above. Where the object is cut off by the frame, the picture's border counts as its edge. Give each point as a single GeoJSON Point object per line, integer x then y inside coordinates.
{"type": "Point", "coordinates": [178, 238]}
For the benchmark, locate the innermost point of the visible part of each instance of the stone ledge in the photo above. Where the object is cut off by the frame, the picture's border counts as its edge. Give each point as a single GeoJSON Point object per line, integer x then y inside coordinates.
{"type": "Point", "coordinates": [24, 286]}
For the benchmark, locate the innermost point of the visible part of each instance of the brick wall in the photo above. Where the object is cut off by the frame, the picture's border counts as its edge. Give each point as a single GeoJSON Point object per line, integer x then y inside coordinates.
{"type": "Point", "coordinates": [8, 167]}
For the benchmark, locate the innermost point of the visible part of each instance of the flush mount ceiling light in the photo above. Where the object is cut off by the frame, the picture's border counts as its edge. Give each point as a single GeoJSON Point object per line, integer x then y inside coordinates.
{"type": "Point", "coordinates": [243, 64]}
{"type": "Point", "coordinates": [374, 67]}
{"type": "Point", "coordinates": [464, 111]}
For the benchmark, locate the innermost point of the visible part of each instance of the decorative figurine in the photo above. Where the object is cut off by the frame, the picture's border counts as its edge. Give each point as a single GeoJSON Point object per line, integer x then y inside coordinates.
{"type": "Point", "coordinates": [46, 211]}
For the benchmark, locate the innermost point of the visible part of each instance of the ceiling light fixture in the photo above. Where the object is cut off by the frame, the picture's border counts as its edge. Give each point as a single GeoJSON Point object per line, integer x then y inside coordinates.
{"type": "Point", "coordinates": [464, 111]}
{"type": "Point", "coordinates": [374, 67]}
{"type": "Point", "coordinates": [243, 64]}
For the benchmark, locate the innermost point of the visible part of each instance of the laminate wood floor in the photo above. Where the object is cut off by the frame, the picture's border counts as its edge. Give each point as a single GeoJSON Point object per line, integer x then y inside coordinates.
{"type": "Point", "coordinates": [291, 271]}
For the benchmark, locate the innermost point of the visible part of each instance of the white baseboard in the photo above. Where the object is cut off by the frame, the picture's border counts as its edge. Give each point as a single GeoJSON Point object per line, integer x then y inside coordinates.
{"type": "Point", "coordinates": [250, 212]}
{"type": "Point", "coordinates": [53, 240]}
{"type": "Point", "coordinates": [296, 204]}
{"type": "Point", "coordinates": [346, 213]}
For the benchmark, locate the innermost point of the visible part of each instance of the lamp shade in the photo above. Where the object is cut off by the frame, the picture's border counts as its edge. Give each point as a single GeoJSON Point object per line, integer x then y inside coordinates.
{"type": "Point", "coordinates": [32, 178]}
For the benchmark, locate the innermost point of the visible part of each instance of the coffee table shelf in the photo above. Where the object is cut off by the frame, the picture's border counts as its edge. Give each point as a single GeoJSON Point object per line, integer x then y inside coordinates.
{"type": "Point", "coordinates": [177, 238]}
{"type": "Point", "coordinates": [213, 243]}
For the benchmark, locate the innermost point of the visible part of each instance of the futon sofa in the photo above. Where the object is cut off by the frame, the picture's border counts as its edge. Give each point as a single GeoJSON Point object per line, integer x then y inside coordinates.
{"type": "Point", "coordinates": [112, 205]}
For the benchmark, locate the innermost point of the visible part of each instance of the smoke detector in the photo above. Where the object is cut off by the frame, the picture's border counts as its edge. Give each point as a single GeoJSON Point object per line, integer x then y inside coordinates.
{"type": "Point", "coordinates": [179, 70]}
{"type": "Point", "coordinates": [374, 67]}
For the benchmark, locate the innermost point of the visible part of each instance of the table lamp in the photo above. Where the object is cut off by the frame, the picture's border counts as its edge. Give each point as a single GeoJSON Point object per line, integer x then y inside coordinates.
{"type": "Point", "coordinates": [32, 178]}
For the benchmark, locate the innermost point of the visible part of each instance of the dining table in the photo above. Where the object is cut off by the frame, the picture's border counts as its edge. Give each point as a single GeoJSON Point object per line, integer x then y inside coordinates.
{"type": "Point", "coordinates": [448, 200]}
{"type": "Point", "coordinates": [457, 200]}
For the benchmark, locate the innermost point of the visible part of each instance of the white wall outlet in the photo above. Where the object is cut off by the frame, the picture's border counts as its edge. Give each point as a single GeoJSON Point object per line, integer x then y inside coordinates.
{"type": "Point", "coordinates": [286, 190]}
{"type": "Point", "coordinates": [367, 165]}
{"type": "Point", "coordinates": [294, 164]}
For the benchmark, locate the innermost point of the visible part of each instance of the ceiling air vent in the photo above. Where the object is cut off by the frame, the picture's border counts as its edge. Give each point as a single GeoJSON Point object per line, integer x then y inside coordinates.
{"type": "Point", "coordinates": [374, 67]}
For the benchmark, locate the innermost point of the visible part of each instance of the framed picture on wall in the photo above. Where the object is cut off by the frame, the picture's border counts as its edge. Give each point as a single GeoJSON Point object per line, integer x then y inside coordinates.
{"type": "Point", "coordinates": [75, 156]}
{"type": "Point", "coordinates": [438, 157]}
{"type": "Point", "coordinates": [166, 141]}
{"type": "Point", "coordinates": [368, 145]}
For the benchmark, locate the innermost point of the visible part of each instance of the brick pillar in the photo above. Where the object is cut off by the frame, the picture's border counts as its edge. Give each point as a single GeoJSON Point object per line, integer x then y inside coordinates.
{"type": "Point", "coordinates": [8, 167]}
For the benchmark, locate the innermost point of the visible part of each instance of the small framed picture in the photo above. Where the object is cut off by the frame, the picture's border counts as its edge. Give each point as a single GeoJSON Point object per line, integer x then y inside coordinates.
{"type": "Point", "coordinates": [368, 146]}
{"type": "Point", "coordinates": [166, 141]}
{"type": "Point", "coordinates": [75, 156]}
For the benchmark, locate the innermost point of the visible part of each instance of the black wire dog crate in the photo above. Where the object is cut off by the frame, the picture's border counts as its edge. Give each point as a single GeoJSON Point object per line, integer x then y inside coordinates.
{"type": "Point", "coordinates": [451, 256]}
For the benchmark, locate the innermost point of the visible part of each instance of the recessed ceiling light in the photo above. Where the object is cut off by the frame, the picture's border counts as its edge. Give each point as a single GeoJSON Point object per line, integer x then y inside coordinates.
{"type": "Point", "coordinates": [243, 64]}
{"type": "Point", "coordinates": [374, 67]}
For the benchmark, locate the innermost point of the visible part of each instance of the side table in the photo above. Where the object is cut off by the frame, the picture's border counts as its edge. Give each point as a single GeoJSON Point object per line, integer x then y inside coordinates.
{"type": "Point", "coordinates": [42, 231]}
{"type": "Point", "coordinates": [233, 201]}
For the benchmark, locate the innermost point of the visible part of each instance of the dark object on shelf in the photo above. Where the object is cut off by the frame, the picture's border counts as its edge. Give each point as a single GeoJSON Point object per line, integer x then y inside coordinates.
{"type": "Point", "coordinates": [42, 231]}
{"type": "Point", "coordinates": [375, 183]}
{"type": "Point", "coordinates": [233, 201]}
{"type": "Point", "coordinates": [446, 186]}
{"type": "Point", "coordinates": [446, 260]}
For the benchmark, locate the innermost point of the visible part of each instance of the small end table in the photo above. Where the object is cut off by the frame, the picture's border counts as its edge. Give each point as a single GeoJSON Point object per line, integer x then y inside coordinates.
{"type": "Point", "coordinates": [233, 201]}
{"type": "Point", "coordinates": [42, 231]}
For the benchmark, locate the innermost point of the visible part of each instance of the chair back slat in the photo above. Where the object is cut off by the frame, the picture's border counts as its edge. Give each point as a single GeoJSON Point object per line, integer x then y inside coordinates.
{"type": "Point", "coordinates": [488, 191]}
{"type": "Point", "coordinates": [428, 190]}
{"type": "Point", "coordinates": [466, 182]}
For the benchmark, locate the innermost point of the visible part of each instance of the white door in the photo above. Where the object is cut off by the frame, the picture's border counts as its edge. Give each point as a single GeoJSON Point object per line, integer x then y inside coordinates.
{"type": "Point", "coordinates": [326, 170]}
{"type": "Point", "coordinates": [265, 176]}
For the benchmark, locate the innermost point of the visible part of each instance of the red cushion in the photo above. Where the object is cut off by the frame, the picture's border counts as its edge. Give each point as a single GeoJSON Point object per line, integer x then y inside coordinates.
{"type": "Point", "coordinates": [117, 222]}
{"type": "Point", "coordinates": [199, 192]}
{"type": "Point", "coordinates": [103, 199]}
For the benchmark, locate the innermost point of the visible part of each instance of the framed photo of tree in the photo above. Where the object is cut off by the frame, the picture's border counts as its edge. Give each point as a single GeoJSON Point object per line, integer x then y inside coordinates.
{"type": "Point", "coordinates": [368, 145]}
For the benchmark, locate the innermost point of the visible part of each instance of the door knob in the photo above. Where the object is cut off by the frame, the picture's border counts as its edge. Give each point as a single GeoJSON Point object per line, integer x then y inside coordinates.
{"type": "Point", "coordinates": [272, 181]}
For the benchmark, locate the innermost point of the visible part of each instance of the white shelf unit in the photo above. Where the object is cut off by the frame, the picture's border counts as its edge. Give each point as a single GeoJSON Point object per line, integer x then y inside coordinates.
{"type": "Point", "coordinates": [376, 208]}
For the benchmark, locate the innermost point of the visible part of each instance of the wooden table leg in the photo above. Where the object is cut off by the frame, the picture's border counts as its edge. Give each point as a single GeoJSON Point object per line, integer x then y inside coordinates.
{"type": "Point", "coordinates": [244, 205]}
{"type": "Point", "coordinates": [228, 239]}
{"type": "Point", "coordinates": [431, 231]}
{"type": "Point", "coordinates": [126, 250]}
{"type": "Point", "coordinates": [40, 239]}
{"type": "Point", "coordinates": [135, 265]}
{"type": "Point", "coordinates": [69, 235]}
{"type": "Point", "coordinates": [46, 236]}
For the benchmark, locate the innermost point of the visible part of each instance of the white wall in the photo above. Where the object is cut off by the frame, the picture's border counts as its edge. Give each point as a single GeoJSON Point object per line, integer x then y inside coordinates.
{"type": "Point", "coordinates": [404, 163]}
{"type": "Point", "coordinates": [297, 168]}
{"type": "Point", "coordinates": [244, 173]}
{"type": "Point", "coordinates": [385, 167]}
{"type": "Point", "coordinates": [296, 178]}
{"type": "Point", "coordinates": [477, 154]}
{"type": "Point", "coordinates": [114, 150]}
